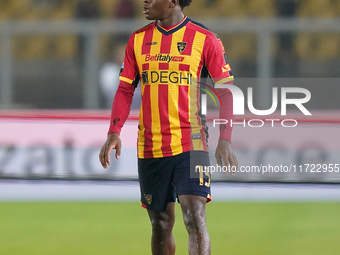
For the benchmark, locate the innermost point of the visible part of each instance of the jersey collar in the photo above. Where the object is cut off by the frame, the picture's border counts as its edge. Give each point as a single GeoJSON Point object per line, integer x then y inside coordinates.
{"type": "Point", "coordinates": [173, 29]}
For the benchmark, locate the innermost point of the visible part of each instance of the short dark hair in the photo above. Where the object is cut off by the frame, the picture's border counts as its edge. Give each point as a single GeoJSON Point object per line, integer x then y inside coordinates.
{"type": "Point", "coordinates": [184, 3]}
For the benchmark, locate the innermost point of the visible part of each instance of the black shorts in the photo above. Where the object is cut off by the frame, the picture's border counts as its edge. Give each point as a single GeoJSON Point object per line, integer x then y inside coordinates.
{"type": "Point", "coordinates": [163, 179]}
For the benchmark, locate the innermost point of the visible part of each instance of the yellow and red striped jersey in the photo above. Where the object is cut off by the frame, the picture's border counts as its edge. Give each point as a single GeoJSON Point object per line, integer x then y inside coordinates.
{"type": "Point", "coordinates": [169, 63]}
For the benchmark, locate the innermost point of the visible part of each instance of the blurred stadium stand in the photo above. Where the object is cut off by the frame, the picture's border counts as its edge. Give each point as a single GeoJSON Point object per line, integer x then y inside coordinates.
{"type": "Point", "coordinates": [312, 54]}
{"type": "Point", "coordinates": [64, 10]}
{"type": "Point", "coordinates": [318, 8]}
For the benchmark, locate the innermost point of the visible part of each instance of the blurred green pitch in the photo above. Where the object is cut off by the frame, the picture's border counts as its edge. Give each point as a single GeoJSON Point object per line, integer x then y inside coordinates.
{"type": "Point", "coordinates": [123, 228]}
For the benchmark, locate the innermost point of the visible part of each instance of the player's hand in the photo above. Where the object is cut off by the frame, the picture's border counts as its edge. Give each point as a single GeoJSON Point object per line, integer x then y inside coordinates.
{"type": "Point", "coordinates": [225, 153]}
{"type": "Point", "coordinates": [112, 142]}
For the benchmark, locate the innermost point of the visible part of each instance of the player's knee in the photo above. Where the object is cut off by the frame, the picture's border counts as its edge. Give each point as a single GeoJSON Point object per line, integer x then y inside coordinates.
{"type": "Point", "coordinates": [162, 224]}
{"type": "Point", "coordinates": [194, 220]}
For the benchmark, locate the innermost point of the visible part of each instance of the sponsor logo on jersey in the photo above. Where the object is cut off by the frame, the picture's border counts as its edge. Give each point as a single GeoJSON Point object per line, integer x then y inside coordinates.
{"type": "Point", "coordinates": [181, 46]}
{"type": "Point", "coordinates": [166, 77]}
{"type": "Point", "coordinates": [163, 58]}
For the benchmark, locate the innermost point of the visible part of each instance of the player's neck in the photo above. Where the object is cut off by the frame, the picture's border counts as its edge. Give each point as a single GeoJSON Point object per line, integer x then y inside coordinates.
{"type": "Point", "coordinates": [172, 20]}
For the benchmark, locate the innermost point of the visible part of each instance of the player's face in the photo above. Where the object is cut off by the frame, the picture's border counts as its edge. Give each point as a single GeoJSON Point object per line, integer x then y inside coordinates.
{"type": "Point", "coordinates": [156, 9]}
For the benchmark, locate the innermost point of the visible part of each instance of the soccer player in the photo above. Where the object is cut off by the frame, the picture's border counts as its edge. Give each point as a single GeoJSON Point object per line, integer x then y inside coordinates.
{"type": "Point", "coordinates": [172, 57]}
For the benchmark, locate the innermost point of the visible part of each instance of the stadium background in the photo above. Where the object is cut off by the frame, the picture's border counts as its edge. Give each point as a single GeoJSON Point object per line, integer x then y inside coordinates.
{"type": "Point", "coordinates": [53, 120]}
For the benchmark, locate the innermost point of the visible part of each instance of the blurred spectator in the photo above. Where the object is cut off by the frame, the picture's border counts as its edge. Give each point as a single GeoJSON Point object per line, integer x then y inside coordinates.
{"type": "Point", "coordinates": [85, 10]}
{"type": "Point", "coordinates": [286, 9]}
{"type": "Point", "coordinates": [125, 9]}
{"type": "Point", "coordinates": [286, 57]}
{"type": "Point", "coordinates": [109, 77]}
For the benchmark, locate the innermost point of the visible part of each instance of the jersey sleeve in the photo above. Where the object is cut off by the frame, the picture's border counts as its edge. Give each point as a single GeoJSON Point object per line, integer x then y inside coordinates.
{"type": "Point", "coordinates": [130, 72]}
{"type": "Point", "coordinates": [129, 78]}
{"type": "Point", "coordinates": [215, 60]}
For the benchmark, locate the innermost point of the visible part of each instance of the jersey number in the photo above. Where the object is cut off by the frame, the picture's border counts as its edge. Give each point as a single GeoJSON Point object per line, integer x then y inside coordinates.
{"type": "Point", "coordinates": [203, 172]}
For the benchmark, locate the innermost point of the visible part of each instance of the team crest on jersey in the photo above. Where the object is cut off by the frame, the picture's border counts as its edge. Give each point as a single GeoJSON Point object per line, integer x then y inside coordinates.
{"type": "Point", "coordinates": [148, 198]}
{"type": "Point", "coordinates": [181, 46]}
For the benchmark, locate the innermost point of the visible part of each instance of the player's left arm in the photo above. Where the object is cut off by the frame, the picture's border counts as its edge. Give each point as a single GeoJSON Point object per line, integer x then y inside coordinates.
{"type": "Point", "coordinates": [221, 73]}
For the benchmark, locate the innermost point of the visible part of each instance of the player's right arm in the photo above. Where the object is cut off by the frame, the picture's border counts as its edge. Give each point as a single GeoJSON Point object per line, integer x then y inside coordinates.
{"type": "Point", "coordinates": [221, 73]}
{"type": "Point", "coordinates": [129, 78]}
